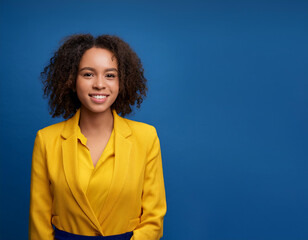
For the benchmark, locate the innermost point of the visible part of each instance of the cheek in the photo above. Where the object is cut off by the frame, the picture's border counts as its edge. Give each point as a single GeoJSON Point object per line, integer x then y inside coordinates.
{"type": "Point", "coordinates": [81, 86]}
{"type": "Point", "coordinates": [115, 86]}
{"type": "Point", "coordinates": [81, 89]}
{"type": "Point", "coordinates": [77, 85]}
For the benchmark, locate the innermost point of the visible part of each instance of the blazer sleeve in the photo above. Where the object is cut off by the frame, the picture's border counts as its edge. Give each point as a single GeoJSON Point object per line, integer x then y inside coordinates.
{"type": "Point", "coordinates": [40, 226]}
{"type": "Point", "coordinates": [153, 197]}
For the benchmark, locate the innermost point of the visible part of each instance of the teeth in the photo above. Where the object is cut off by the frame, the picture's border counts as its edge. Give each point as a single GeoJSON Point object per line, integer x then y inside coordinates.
{"type": "Point", "coordinates": [99, 96]}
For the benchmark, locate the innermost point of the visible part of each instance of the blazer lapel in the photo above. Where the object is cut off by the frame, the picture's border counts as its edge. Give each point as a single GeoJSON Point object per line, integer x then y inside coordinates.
{"type": "Point", "coordinates": [122, 155]}
{"type": "Point", "coordinates": [70, 165]}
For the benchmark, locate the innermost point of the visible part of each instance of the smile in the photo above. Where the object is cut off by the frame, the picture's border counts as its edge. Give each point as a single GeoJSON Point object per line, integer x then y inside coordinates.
{"type": "Point", "coordinates": [99, 96]}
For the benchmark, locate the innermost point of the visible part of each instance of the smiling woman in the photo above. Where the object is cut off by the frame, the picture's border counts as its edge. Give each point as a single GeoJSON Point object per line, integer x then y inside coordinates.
{"type": "Point", "coordinates": [96, 174]}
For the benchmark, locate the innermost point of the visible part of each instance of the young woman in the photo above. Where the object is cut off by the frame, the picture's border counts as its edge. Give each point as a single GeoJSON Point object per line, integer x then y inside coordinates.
{"type": "Point", "coordinates": [96, 174]}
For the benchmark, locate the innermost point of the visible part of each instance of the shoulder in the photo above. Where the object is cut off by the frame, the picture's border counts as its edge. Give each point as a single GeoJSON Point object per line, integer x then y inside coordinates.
{"type": "Point", "coordinates": [144, 136]}
{"type": "Point", "coordinates": [52, 131]}
{"type": "Point", "coordinates": [138, 132]}
{"type": "Point", "coordinates": [49, 137]}
{"type": "Point", "coordinates": [65, 128]}
{"type": "Point", "coordinates": [140, 129]}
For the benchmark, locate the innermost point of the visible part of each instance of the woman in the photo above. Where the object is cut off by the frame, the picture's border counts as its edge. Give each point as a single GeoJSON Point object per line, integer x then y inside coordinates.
{"type": "Point", "coordinates": [96, 174]}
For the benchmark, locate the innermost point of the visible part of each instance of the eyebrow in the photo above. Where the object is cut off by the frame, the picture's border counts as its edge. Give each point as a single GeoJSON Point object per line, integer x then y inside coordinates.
{"type": "Point", "coordinates": [92, 69]}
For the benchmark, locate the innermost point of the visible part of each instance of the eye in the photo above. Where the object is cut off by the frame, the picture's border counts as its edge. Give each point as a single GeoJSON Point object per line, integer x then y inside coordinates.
{"type": "Point", "coordinates": [110, 75]}
{"type": "Point", "coordinates": [88, 74]}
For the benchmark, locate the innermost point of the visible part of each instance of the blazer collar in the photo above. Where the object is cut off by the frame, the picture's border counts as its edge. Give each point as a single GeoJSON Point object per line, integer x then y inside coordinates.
{"type": "Point", "coordinates": [71, 125]}
{"type": "Point", "coordinates": [120, 125]}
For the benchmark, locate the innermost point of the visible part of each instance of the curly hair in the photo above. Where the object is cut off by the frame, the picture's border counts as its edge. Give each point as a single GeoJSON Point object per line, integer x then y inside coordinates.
{"type": "Point", "coordinates": [59, 76]}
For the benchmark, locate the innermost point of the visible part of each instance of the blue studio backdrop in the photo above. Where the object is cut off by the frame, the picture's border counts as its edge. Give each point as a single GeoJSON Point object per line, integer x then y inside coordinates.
{"type": "Point", "coordinates": [228, 85]}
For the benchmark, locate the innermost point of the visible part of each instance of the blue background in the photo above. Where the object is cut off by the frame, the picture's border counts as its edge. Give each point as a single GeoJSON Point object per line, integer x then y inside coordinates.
{"type": "Point", "coordinates": [228, 85]}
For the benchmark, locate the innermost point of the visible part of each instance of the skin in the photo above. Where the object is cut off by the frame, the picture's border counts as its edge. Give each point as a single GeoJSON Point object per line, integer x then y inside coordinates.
{"type": "Point", "coordinates": [97, 88]}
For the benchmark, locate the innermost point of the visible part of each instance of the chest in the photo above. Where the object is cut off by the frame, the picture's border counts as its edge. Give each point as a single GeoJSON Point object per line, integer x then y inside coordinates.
{"type": "Point", "coordinates": [96, 147]}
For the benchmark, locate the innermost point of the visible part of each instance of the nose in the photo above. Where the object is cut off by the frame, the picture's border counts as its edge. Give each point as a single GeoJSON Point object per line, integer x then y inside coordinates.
{"type": "Point", "coordinates": [99, 82]}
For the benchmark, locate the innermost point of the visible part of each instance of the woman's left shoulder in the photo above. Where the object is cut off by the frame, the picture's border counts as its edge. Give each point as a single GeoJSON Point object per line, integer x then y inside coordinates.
{"type": "Point", "coordinates": [139, 131]}
{"type": "Point", "coordinates": [141, 127]}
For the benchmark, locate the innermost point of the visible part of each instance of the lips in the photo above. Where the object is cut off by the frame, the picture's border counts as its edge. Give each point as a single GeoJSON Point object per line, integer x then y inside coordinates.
{"type": "Point", "coordinates": [98, 98]}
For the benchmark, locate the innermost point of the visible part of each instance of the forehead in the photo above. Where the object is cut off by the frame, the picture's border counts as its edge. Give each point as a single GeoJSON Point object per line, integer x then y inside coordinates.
{"type": "Point", "coordinates": [98, 57]}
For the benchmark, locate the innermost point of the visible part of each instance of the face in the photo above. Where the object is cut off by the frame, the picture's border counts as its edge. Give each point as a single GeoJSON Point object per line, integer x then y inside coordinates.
{"type": "Point", "coordinates": [97, 83]}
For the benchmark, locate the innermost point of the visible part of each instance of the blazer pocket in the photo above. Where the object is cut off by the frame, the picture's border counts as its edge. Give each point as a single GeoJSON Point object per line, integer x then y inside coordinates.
{"type": "Point", "coordinates": [132, 224]}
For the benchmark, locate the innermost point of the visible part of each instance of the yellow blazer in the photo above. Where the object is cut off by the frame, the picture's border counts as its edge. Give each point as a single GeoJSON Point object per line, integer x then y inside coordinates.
{"type": "Point", "coordinates": [136, 197]}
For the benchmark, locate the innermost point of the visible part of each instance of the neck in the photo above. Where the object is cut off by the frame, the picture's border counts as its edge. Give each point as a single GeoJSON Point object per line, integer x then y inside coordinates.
{"type": "Point", "coordinates": [95, 124]}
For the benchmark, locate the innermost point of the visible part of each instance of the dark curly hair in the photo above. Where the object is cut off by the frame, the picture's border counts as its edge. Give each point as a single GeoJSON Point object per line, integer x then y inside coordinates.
{"type": "Point", "coordinates": [59, 76]}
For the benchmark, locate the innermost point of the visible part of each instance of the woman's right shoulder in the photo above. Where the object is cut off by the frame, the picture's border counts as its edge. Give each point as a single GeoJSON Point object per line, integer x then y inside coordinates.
{"type": "Point", "coordinates": [52, 131]}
